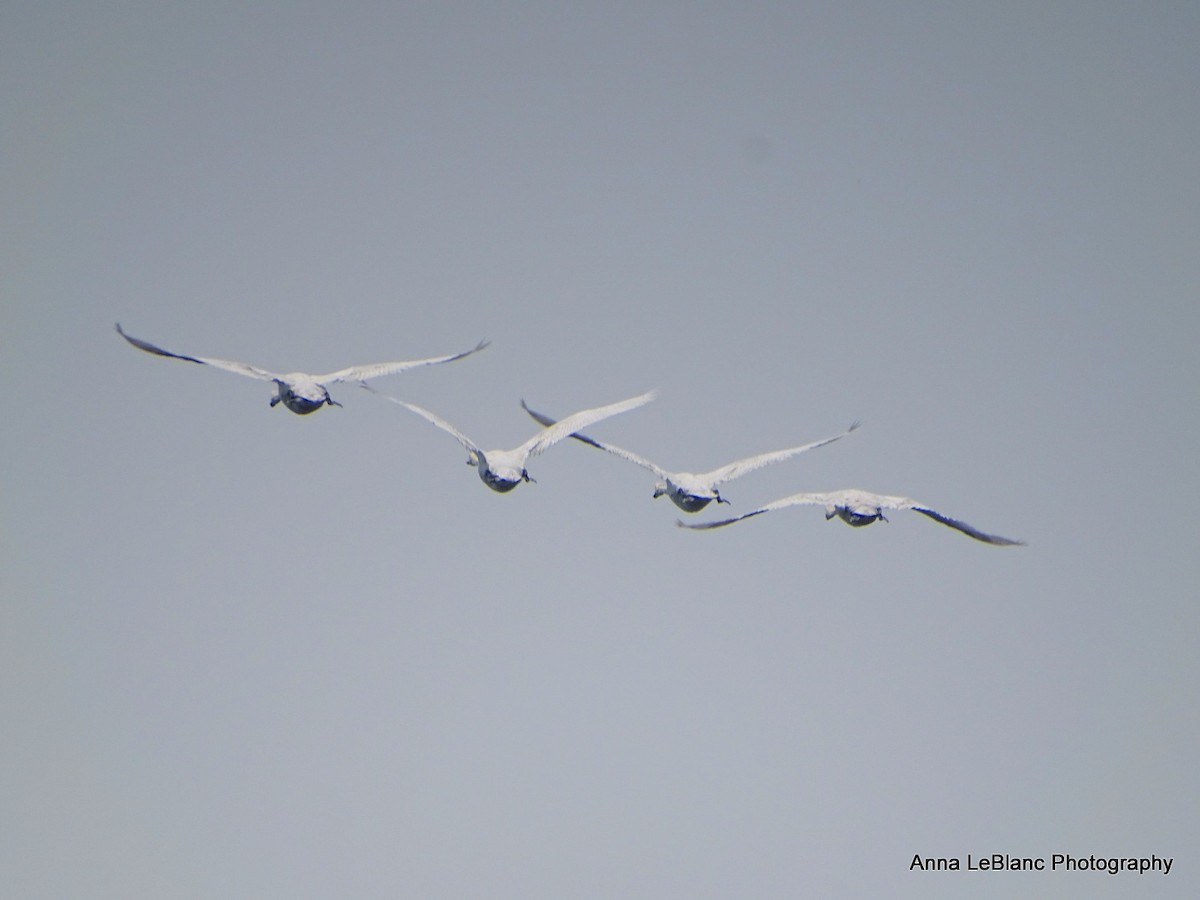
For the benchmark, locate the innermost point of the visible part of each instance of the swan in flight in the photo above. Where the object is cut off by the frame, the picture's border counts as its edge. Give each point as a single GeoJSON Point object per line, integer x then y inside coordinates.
{"type": "Point", "coordinates": [858, 508]}
{"type": "Point", "coordinates": [690, 491]}
{"type": "Point", "coordinates": [300, 392]}
{"type": "Point", "coordinates": [503, 470]}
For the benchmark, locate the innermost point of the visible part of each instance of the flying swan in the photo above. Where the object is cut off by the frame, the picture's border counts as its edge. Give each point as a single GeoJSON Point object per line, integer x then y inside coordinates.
{"type": "Point", "coordinates": [690, 491]}
{"type": "Point", "coordinates": [298, 391]}
{"type": "Point", "coordinates": [503, 470]}
{"type": "Point", "coordinates": [859, 508]}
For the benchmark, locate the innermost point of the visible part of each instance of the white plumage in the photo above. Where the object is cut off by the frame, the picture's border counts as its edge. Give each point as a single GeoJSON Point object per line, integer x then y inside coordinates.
{"type": "Point", "coordinates": [298, 391]}
{"type": "Point", "coordinates": [503, 470]}
{"type": "Point", "coordinates": [858, 508]}
{"type": "Point", "coordinates": [692, 491]}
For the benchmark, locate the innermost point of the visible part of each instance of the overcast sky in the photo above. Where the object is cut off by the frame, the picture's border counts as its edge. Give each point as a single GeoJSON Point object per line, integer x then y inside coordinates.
{"type": "Point", "coordinates": [252, 654]}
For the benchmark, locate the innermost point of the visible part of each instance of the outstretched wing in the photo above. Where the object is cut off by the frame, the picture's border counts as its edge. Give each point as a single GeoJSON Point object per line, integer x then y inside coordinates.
{"type": "Point", "coordinates": [609, 448]}
{"type": "Point", "coordinates": [793, 500]}
{"type": "Point", "coordinates": [432, 418]}
{"type": "Point", "coordinates": [865, 501]}
{"type": "Point", "coordinates": [564, 428]}
{"type": "Point", "coordinates": [238, 368]}
{"type": "Point", "coordinates": [376, 370]}
{"type": "Point", "coordinates": [969, 530]}
{"type": "Point", "coordinates": [742, 466]}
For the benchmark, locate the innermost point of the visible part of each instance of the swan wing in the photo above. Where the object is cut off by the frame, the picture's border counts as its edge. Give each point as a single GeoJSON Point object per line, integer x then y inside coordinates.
{"type": "Point", "coordinates": [969, 530]}
{"type": "Point", "coordinates": [376, 370]}
{"type": "Point", "coordinates": [433, 418]}
{"type": "Point", "coordinates": [793, 500]}
{"type": "Point", "coordinates": [564, 428]}
{"type": "Point", "coordinates": [600, 445]}
{"type": "Point", "coordinates": [238, 368]}
{"type": "Point", "coordinates": [863, 501]}
{"type": "Point", "coordinates": [742, 466]}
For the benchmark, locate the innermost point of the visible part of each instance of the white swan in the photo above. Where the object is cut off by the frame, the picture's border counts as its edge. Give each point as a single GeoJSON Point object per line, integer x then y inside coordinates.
{"type": "Point", "coordinates": [503, 470]}
{"type": "Point", "coordinates": [858, 508]}
{"type": "Point", "coordinates": [298, 391]}
{"type": "Point", "coordinates": [690, 491]}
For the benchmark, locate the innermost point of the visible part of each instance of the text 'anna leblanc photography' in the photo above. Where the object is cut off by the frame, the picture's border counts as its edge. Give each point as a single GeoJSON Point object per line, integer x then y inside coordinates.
{"type": "Point", "coordinates": [1058, 862]}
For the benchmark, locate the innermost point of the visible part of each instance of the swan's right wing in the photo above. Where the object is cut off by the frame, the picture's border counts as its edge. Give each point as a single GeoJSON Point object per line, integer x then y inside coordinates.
{"type": "Point", "coordinates": [600, 445]}
{"type": "Point", "coordinates": [237, 368]}
{"type": "Point", "coordinates": [376, 370]}
{"type": "Point", "coordinates": [742, 466]}
{"type": "Point", "coordinates": [564, 428]}
{"type": "Point", "coordinates": [969, 530]}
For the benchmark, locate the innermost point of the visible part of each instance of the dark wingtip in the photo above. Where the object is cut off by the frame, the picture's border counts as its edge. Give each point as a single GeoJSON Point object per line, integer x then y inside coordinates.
{"type": "Point", "coordinates": [706, 526]}
{"type": "Point", "coordinates": [543, 420]}
{"type": "Point", "coordinates": [969, 530]}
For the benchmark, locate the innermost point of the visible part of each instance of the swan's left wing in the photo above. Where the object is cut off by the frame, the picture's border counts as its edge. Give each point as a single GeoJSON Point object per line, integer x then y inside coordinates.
{"type": "Point", "coordinates": [793, 500]}
{"type": "Point", "coordinates": [433, 418]}
{"type": "Point", "coordinates": [229, 365]}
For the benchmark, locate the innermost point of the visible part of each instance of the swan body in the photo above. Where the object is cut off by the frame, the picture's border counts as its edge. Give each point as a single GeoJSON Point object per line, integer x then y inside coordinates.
{"type": "Point", "coordinates": [692, 491]}
{"type": "Point", "coordinates": [859, 508]}
{"type": "Point", "coordinates": [298, 391]}
{"type": "Point", "coordinates": [503, 470]}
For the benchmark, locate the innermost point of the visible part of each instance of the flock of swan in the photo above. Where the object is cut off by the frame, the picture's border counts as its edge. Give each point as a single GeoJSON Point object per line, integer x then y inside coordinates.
{"type": "Point", "coordinates": [502, 470]}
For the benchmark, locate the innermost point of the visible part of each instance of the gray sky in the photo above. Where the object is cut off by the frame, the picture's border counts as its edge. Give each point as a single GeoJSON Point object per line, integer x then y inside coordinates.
{"type": "Point", "coordinates": [250, 654]}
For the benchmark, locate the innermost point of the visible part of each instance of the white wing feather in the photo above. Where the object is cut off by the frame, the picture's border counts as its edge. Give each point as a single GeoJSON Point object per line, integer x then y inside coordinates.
{"type": "Point", "coordinates": [564, 428]}
{"type": "Point", "coordinates": [864, 502]}
{"type": "Point", "coordinates": [433, 418]}
{"type": "Point", "coordinates": [377, 370]}
{"type": "Point", "coordinates": [742, 466]}
{"type": "Point", "coordinates": [237, 368]}
{"type": "Point", "coordinates": [601, 445]}
{"type": "Point", "coordinates": [793, 500]}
